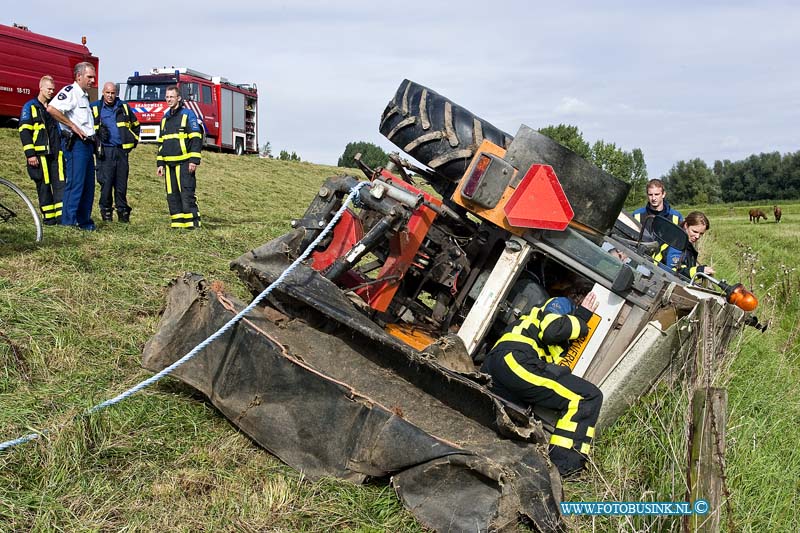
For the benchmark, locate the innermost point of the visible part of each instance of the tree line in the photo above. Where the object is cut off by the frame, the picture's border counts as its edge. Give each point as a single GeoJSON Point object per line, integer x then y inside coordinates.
{"type": "Point", "coordinates": [766, 176]}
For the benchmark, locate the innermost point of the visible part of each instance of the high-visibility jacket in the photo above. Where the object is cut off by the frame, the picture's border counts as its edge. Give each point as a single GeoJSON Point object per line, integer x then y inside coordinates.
{"type": "Point", "coordinates": [667, 212]}
{"type": "Point", "coordinates": [181, 138]}
{"type": "Point", "coordinates": [680, 262]}
{"type": "Point", "coordinates": [126, 121]}
{"type": "Point", "coordinates": [545, 334]}
{"type": "Point", "coordinates": [38, 131]}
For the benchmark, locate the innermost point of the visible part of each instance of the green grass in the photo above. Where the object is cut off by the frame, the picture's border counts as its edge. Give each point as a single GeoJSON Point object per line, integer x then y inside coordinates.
{"type": "Point", "coordinates": [76, 311]}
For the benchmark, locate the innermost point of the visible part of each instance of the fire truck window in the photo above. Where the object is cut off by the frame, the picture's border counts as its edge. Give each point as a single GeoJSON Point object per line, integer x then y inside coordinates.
{"type": "Point", "coordinates": [206, 94]}
{"type": "Point", "coordinates": [189, 91]}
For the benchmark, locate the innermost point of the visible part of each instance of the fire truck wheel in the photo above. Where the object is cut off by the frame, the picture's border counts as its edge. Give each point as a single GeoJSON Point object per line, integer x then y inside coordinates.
{"type": "Point", "coordinates": [239, 147]}
{"type": "Point", "coordinates": [435, 131]}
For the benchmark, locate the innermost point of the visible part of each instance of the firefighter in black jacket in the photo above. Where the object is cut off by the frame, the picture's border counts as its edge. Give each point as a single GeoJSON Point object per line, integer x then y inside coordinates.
{"type": "Point", "coordinates": [41, 141]}
{"type": "Point", "coordinates": [117, 130]}
{"type": "Point", "coordinates": [524, 365]}
{"type": "Point", "coordinates": [179, 147]}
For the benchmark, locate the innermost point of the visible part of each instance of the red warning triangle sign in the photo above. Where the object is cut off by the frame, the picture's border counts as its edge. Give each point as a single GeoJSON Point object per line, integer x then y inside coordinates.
{"type": "Point", "coordinates": [539, 201]}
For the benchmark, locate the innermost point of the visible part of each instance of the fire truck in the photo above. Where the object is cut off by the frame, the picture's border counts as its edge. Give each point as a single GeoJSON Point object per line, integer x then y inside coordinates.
{"type": "Point", "coordinates": [227, 111]}
{"type": "Point", "coordinates": [26, 56]}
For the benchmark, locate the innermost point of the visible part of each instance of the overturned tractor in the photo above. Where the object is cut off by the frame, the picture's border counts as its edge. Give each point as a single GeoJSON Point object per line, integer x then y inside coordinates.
{"type": "Point", "coordinates": [365, 361]}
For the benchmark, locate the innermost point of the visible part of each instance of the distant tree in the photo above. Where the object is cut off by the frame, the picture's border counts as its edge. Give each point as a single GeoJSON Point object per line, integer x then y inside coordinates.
{"type": "Point", "coordinates": [294, 157]}
{"type": "Point", "coordinates": [629, 167]}
{"type": "Point", "coordinates": [284, 155]}
{"type": "Point", "coordinates": [693, 182]}
{"type": "Point", "coordinates": [569, 136]}
{"type": "Point", "coordinates": [371, 155]}
{"type": "Point", "coordinates": [638, 177]}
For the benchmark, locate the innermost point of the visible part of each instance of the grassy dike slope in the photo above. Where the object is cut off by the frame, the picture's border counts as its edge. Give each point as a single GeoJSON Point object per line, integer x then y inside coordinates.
{"type": "Point", "coordinates": [76, 311]}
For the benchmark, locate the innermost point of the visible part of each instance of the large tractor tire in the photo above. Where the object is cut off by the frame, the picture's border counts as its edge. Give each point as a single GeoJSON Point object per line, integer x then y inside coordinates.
{"type": "Point", "coordinates": [435, 131]}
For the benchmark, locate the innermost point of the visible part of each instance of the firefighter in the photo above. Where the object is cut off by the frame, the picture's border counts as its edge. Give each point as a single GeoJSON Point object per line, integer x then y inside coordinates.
{"type": "Point", "coordinates": [684, 262]}
{"type": "Point", "coordinates": [657, 204]}
{"type": "Point", "coordinates": [71, 108]}
{"type": "Point", "coordinates": [41, 141]}
{"type": "Point", "coordinates": [179, 147]}
{"type": "Point", "coordinates": [117, 130]}
{"type": "Point", "coordinates": [524, 366]}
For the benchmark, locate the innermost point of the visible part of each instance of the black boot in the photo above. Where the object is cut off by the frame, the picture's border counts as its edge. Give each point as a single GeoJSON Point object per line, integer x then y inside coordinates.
{"type": "Point", "coordinates": [569, 462]}
{"type": "Point", "coordinates": [124, 216]}
{"type": "Point", "coordinates": [106, 214]}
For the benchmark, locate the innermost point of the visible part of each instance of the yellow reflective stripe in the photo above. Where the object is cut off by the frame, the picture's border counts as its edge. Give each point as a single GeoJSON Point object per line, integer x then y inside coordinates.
{"type": "Point", "coordinates": [45, 169]}
{"type": "Point", "coordinates": [659, 255]}
{"type": "Point", "coordinates": [585, 448]}
{"type": "Point", "coordinates": [573, 398]}
{"type": "Point", "coordinates": [515, 337]}
{"type": "Point", "coordinates": [26, 147]}
{"type": "Point", "coordinates": [692, 271]}
{"type": "Point", "coordinates": [182, 215]}
{"type": "Point", "coordinates": [122, 124]}
{"type": "Point", "coordinates": [564, 442]}
{"type": "Point", "coordinates": [195, 134]}
{"type": "Point", "coordinates": [169, 184]}
{"type": "Point", "coordinates": [182, 224]}
{"type": "Point", "coordinates": [127, 145]}
{"type": "Point", "coordinates": [26, 127]}
{"type": "Point", "coordinates": [590, 432]}
{"type": "Point", "coordinates": [182, 140]}
{"type": "Point", "coordinates": [675, 219]}
{"type": "Point", "coordinates": [60, 167]}
{"type": "Point", "coordinates": [567, 425]}
{"type": "Point", "coordinates": [637, 217]}
{"type": "Point", "coordinates": [174, 136]}
{"type": "Point", "coordinates": [548, 319]}
{"type": "Point", "coordinates": [179, 157]}
{"type": "Point", "coordinates": [34, 112]}
{"type": "Point", "coordinates": [576, 326]}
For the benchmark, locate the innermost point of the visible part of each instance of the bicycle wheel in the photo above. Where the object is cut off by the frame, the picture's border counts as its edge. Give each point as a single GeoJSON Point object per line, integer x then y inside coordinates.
{"type": "Point", "coordinates": [19, 217]}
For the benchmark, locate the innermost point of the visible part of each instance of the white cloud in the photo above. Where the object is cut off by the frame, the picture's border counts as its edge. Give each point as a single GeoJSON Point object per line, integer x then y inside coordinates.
{"type": "Point", "coordinates": [572, 106]}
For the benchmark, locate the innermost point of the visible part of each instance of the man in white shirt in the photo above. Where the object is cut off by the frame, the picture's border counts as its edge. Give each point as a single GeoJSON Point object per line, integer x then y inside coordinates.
{"type": "Point", "coordinates": [70, 107]}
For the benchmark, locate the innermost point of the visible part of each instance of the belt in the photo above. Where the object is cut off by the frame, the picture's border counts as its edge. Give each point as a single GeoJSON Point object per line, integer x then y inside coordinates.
{"type": "Point", "coordinates": [88, 140]}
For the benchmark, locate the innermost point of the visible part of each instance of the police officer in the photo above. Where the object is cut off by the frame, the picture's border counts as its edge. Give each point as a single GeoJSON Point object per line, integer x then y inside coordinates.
{"type": "Point", "coordinates": [71, 108]}
{"type": "Point", "coordinates": [117, 130]}
{"type": "Point", "coordinates": [179, 147]}
{"type": "Point", "coordinates": [524, 366]}
{"type": "Point", "coordinates": [41, 141]}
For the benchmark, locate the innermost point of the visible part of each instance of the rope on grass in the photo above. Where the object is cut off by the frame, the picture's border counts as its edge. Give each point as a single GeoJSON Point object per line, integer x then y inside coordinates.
{"type": "Point", "coordinates": [221, 331]}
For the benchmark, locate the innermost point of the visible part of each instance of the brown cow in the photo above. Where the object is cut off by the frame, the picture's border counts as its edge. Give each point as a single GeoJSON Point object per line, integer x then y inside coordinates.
{"type": "Point", "coordinates": [756, 214]}
{"type": "Point", "coordinates": [778, 214]}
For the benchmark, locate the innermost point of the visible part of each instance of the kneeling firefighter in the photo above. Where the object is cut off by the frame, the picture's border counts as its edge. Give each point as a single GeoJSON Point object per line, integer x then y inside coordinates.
{"type": "Point", "coordinates": [524, 365]}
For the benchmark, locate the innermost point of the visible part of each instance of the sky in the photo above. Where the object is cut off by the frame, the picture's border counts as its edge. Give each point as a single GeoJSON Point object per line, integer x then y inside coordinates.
{"type": "Point", "coordinates": [680, 80]}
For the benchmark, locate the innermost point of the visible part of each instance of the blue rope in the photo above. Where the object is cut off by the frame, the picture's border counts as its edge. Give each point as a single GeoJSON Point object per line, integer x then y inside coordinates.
{"type": "Point", "coordinates": [221, 331]}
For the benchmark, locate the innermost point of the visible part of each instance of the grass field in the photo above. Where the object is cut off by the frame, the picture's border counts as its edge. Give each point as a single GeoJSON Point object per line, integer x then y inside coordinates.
{"type": "Point", "coordinates": [76, 310]}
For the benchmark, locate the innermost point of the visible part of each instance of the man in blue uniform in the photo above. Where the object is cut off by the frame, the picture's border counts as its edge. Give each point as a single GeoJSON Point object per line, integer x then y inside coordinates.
{"type": "Point", "coordinates": [41, 141]}
{"type": "Point", "coordinates": [657, 204]}
{"type": "Point", "coordinates": [525, 369]}
{"type": "Point", "coordinates": [179, 146]}
{"type": "Point", "coordinates": [117, 129]}
{"type": "Point", "coordinates": [71, 108]}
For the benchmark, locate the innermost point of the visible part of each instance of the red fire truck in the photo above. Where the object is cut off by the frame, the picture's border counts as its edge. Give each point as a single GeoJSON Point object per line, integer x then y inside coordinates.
{"type": "Point", "coordinates": [228, 111]}
{"type": "Point", "coordinates": [26, 56]}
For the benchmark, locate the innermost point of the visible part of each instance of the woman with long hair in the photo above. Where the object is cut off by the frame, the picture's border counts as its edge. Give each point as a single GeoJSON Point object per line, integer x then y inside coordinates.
{"type": "Point", "coordinates": [684, 262]}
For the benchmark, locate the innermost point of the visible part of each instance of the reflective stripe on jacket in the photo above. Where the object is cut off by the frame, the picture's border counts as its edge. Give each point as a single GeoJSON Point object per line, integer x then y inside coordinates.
{"type": "Point", "coordinates": [33, 129]}
{"type": "Point", "coordinates": [181, 138]}
{"type": "Point", "coordinates": [127, 123]}
{"type": "Point", "coordinates": [545, 333]}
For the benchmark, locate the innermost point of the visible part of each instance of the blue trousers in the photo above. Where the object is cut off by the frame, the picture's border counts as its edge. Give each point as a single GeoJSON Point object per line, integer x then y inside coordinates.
{"type": "Point", "coordinates": [79, 189]}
